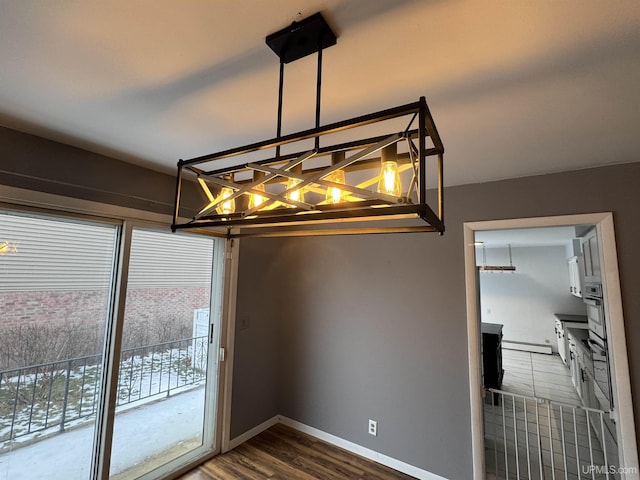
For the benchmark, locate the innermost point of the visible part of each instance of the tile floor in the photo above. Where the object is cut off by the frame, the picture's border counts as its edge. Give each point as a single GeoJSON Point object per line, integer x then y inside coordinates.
{"type": "Point", "coordinates": [538, 375]}
{"type": "Point", "coordinates": [537, 429]}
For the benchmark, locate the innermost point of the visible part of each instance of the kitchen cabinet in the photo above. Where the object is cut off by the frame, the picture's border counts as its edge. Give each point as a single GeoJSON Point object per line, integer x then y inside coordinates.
{"type": "Point", "coordinates": [492, 355]}
{"type": "Point", "coordinates": [583, 371]}
{"type": "Point", "coordinates": [574, 367]}
{"type": "Point", "coordinates": [562, 343]}
{"type": "Point", "coordinates": [563, 322]}
{"type": "Point", "coordinates": [581, 366]}
{"type": "Point", "coordinates": [591, 257]}
{"type": "Point", "coordinates": [576, 270]}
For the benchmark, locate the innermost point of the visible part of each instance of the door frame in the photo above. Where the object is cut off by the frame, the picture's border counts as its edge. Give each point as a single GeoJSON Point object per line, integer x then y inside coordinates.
{"type": "Point", "coordinates": [227, 339]}
{"type": "Point", "coordinates": [626, 434]}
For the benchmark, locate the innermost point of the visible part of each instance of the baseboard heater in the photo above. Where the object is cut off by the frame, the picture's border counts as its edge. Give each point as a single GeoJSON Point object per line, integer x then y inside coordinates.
{"type": "Point", "coordinates": [527, 347]}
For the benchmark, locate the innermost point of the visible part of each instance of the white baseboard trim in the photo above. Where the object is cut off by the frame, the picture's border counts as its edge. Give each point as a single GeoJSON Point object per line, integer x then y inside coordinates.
{"type": "Point", "coordinates": [248, 435]}
{"type": "Point", "coordinates": [338, 442]}
{"type": "Point", "coordinates": [527, 347]}
{"type": "Point", "coordinates": [362, 451]}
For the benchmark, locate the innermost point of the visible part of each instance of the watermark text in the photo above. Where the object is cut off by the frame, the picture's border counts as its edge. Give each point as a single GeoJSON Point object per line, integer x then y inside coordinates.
{"type": "Point", "coordinates": [610, 469]}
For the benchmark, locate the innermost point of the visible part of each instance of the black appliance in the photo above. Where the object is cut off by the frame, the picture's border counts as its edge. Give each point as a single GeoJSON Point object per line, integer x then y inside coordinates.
{"type": "Point", "coordinates": [492, 355]}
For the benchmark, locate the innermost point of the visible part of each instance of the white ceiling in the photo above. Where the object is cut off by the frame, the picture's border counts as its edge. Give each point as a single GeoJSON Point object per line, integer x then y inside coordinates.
{"type": "Point", "coordinates": [516, 88]}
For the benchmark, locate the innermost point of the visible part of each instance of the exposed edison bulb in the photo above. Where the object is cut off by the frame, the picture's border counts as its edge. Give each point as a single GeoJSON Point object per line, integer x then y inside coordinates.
{"type": "Point", "coordinates": [296, 195]}
{"type": "Point", "coordinates": [256, 199]}
{"type": "Point", "coordinates": [335, 194]}
{"type": "Point", "coordinates": [389, 180]}
{"type": "Point", "coordinates": [228, 206]}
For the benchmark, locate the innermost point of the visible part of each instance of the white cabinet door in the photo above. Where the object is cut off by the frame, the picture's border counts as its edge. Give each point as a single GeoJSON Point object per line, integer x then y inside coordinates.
{"type": "Point", "coordinates": [575, 276]}
{"type": "Point", "coordinates": [562, 349]}
{"type": "Point", "coordinates": [591, 254]}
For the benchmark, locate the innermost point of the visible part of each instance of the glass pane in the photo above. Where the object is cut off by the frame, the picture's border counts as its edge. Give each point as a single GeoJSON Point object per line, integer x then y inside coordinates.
{"type": "Point", "coordinates": [55, 290]}
{"type": "Point", "coordinates": [160, 413]}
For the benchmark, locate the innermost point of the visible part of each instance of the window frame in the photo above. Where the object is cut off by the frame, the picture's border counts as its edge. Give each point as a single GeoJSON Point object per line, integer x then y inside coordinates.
{"type": "Point", "coordinates": [125, 219]}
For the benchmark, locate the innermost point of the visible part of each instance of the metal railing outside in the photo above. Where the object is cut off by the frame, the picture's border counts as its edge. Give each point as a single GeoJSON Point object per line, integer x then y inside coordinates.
{"type": "Point", "coordinates": [54, 395]}
{"type": "Point", "coordinates": [536, 438]}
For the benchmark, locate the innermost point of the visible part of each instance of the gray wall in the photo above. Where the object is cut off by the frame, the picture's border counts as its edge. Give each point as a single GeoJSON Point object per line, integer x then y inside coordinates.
{"type": "Point", "coordinates": [363, 338]}
{"type": "Point", "coordinates": [255, 365]}
{"type": "Point", "coordinates": [375, 326]}
{"type": "Point", "coordinates": [35, 163]}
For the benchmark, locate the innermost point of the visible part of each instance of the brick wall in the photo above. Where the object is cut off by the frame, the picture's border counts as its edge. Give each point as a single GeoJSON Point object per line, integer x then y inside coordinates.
{"type": "Point", "coordinates": [27, 319]}
{"type": "Point", "coordinates": [177, 303]}
{"type": "Point", "coordinates": [52, 307]}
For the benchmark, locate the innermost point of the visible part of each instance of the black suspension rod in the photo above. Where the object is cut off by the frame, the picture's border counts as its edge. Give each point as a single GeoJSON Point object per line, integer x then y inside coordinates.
{"type": "Point", "coordinates": [318, 91]}
{"type": "Point", "coordinates": [280, 95]}
{"type": "Point", "coordinates": [325, 130]}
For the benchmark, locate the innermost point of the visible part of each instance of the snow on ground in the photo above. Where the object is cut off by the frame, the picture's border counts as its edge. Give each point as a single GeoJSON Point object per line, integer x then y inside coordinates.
{"type": "Point", "coordinates": [141, 379]}
{"type": "Point", "coordinates": [139, 434]}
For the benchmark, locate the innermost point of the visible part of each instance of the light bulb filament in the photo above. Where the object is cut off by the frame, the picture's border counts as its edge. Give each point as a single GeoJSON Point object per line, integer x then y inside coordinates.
{"type": "Point", "coordinates": [293, 193]}
{"type": "Point", "coordinates": [335, 194]}
{"type": "Point", "coordinates": [256, 199]}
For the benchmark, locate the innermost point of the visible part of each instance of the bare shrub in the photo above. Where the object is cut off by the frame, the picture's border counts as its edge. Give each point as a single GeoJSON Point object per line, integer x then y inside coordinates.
{"type": "Point", "coordinates": [31, 344]}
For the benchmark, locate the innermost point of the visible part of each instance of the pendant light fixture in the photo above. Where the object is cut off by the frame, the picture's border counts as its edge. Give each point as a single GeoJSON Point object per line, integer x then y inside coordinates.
{"type": "Point", "coordinates": [496, 268]}
{"type": "Point", "coordinates": [341, 178]}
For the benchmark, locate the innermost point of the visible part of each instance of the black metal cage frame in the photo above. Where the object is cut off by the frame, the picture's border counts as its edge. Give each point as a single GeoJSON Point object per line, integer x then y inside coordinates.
{"type": "Point", "coordinates": [369, 211]}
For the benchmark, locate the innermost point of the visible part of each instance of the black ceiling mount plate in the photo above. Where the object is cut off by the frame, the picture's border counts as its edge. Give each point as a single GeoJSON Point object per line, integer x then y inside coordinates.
{"type": "Point", "coordinates": [302, 38]}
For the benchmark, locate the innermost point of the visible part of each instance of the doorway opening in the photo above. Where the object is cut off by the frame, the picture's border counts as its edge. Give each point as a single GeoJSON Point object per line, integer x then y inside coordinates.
{"type": "Point", "coordinates": [528, 340]}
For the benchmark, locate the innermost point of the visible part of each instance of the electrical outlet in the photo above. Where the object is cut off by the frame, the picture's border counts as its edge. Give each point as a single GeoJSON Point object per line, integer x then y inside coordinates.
{"type": "Point", "coordinates": [373, 428]}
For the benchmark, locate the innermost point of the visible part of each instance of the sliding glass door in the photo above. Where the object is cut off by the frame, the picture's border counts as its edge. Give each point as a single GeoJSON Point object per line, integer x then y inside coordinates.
{"type": "Point", "coordinates": [168, 362]}
{"type": "Point", "coordinates": [60, 281]}
{"type": "Point", "coordinates": [56, 283]}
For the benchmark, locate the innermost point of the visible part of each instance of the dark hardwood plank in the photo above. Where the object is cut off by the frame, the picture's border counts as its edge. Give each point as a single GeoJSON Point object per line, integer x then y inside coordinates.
{"type": "Point", "coordinates": [282, 453]}
{"type": "Point", "coordinates": [364, 467]}
{"type": "Point", "coordinates": [309, 455]}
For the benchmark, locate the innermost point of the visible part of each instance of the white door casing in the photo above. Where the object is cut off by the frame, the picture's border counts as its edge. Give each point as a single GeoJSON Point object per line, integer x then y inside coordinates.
{"type": "Point", "coordinates": [626, 435]}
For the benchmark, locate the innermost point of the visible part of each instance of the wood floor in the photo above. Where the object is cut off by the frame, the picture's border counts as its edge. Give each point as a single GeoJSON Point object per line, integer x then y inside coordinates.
{"type": "Point", "coordinates": [284, 453]}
